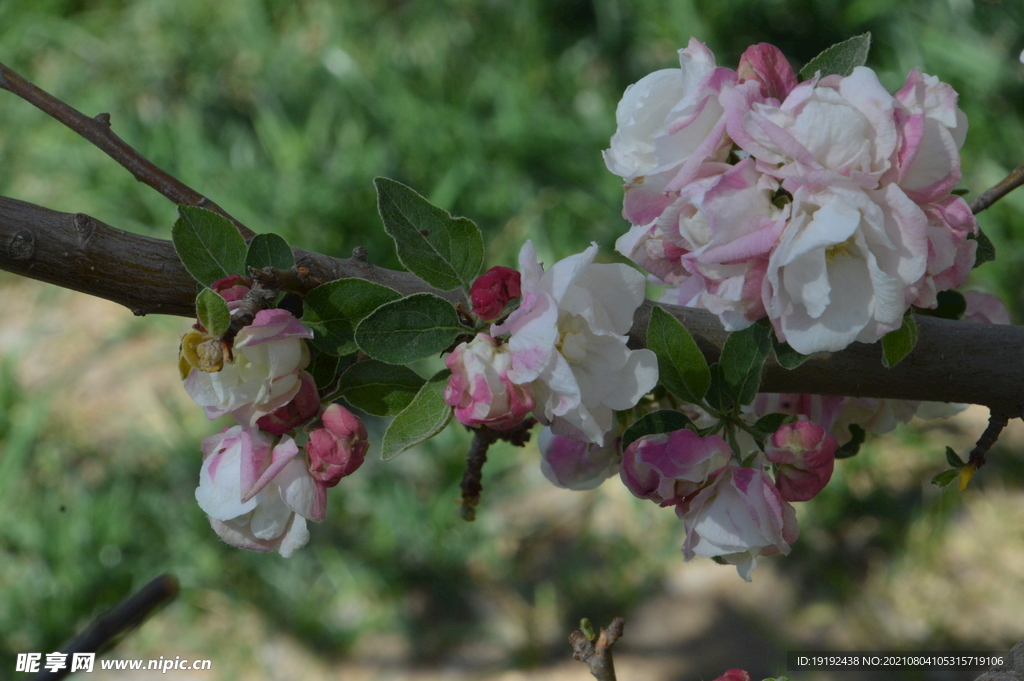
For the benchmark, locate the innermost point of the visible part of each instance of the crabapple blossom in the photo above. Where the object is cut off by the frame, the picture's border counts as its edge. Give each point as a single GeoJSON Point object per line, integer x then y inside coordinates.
{"type": "Point", "coordinates": [667, 467]}
{"type": "Point", "coordinates": [984, 308]}
{"type": "Point", "coordinates": [735, 675]}
{"type": "Point", "coordinates": [232, 289]}
{"type": "Point", "coordinates": [576, 465]}
{"type": "Point", "coordinates": [264, 374]}
{"type": "Point", "coordinates": [804, 453]}
{"type": "Point", "coordinates": [568, 342]}
{"type": "Point", "coordinates": [257, 493]}
{"type": "Point", "coordinates": [338, 447]}
{"type": "Point", "coordinates": [739, 516]}
{"type": "Point", "coordinates": [480, 388]}
{"type": "Point", "coordinates": [302, 408]}
{"type": "Point", "coordinates": [492, 290]}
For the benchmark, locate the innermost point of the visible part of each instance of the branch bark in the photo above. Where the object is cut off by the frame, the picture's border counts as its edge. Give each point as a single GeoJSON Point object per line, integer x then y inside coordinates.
{"type": "Point", "coordinates": [953, 361]}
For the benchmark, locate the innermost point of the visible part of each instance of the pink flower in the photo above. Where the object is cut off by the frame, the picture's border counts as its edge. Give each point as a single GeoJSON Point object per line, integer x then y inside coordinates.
{"type": "Point", "coordinates": [805, 454]}
{"type": "Point", "coordinates": [264, 374]}
{"type": "Point", "coordinates": [984, 308]}
{"type": "Point", "coordinates": [666, 468]}
{"type": "Point", "coordinates": [950, 253]}
{"type": "Point", "coordinates": [493, 290]}
{"type": "Point", "coordinates": [257, 494]}
{"type": "Point", "coordinates": [767, 65]}
{"type": "Point", "coordinates": [735, 675]}
{"type": "Point", "coordinates": [302, 408]}
{"type": "Point", "coordinates": [576, 465]}
{"type": "Point", "coordinates": [480, 388]}
{"type": "Point", "coordinates": [741, 515]}
{"type": "Point", "coordinates": [232, 289]}
{"type": "Point", "coordinates": [338, 447]}
{"type": "Point", "coordinates": [821, 409]}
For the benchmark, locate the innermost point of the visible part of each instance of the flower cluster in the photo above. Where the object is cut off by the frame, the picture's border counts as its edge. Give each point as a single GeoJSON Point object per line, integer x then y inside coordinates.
{"type": "Point", "coordinates": [256, 488]}
{"type": "Point", "coordinates": [565, 358]}
{"type": "Point", "coordinates": [823, 204]}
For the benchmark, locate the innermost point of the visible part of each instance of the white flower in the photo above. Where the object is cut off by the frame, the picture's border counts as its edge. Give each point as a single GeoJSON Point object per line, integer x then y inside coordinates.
{"type": "Point", "coordinates": [257, 493]}
{"type": "Point", "coordinates": [845, 266]}
{"type": "Point", "coordinates": [568, 340]}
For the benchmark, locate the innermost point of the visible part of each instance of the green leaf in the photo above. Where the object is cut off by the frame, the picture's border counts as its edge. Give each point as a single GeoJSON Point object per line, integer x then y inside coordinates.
{"type": "Point", "coordinates": [851, 447]}
{"type": "Point", "coordinates": [269, 250]}
{"type": "Point", "coordinates": [338, 306]}
{"type": "Point", "coordinates": [717, 396]}
{"type": "Point", "coordinates": [425, 417]}
{"type": "Point", "coordinates": [378, 388]}
{"type": "Point", "coordinates": [785, 355]}
{"type": "Point", "coordinates": [945, 477]}
{"type": "Point", "coordinates": [208, 245]}
{"type": "Point", "coordinates": [663, 421]}
{"type": "Point", "coordinates": [986, 249]}
{"type": "Point", "coordinates": [953, 459]}
{"type": "Point", "coordinates": [841, 58]}
{"type": "Point", "coordinates": [323, 367]}
{"type": "Point", "coordinates": [682, 368]}
{"type": "Point", "coordinates": [213, 312]}
{"type": "Point", "coordinates": [897, 344]}
{"type": "Point", "coordinates": [409, 329]}
{"type": "Point", "coordinates": [950, 305]}
{"type": "Point", "coordinates": [743, 358]}
{"type": "Point", "coordinates": [769, 423]}
{"type": "Point", "coordinates": [444, 251]}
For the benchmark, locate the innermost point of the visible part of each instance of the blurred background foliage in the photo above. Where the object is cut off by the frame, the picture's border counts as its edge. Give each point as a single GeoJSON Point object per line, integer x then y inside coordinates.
{"type": "Point", "coordinates": [283, 112]}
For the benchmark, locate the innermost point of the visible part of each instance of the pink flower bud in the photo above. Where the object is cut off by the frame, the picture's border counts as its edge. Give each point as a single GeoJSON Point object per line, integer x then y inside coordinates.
{"type": "Point", "coordinates": [805, 454]}
{"type": "Point", "coordinates": [735, 675]}
{"type": "Point", "coordinates": [767, 65]}
{"type": "Point", "coordinates": [338, 447]}
{"type": "Point", "coordinates": [302, 408]}
{"type": "Point", "coordinates": [492, 290]}
{"type": "Point", "coordinates": [480, 389]}
{"type": "Point", "coordinates": [232, 289]}
{"type": "Point", "coordinates": [666, 468]}
{"type": "Point", "coordinates": [574, 464]}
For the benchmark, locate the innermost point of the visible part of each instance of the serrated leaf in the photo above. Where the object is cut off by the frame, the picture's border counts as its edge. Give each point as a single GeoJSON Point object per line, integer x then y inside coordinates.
{"type": "Point", "coordinates": [785, 355]}
{"type": "Point", "coordinates": [949, 305]}
{"type": "Point", "coordinates": [682, 368]}
{"type": "Point", "coordinates": [269, 250]}
{"type": "Point", "coordinates": [378, 388]}
{"type": "Point", "coordinates": [425, 417]}
{"type": "Point", "coordinates": [945, 477]}
{"type": "Point", "coordinates": [213, 312]}
{"type": "Point", "coordinates": [743, 358]}
{"type": "Point", "coordinates": [444, 251]}
{"type": "Point", "coordinates": [953, 459]}
{"type": "Point", "coordinates": [986, 249]}
{"type": "Point", "coordinates": [208, 245]}
{"type": "Point", "coordinates": [338, 306]}
{"type": "Point", "coordinates": [662, 421]}
{"type": "Point", "coordinates": [323, 367]}
{"type": "Point", "coordinates": [409, 329]}
{"type": "Point", "coordinates": [842, 58]}
{"type": "Point", "coordinates": [852, 446]}
{"type": "Point", "coordinates": [897, 344]}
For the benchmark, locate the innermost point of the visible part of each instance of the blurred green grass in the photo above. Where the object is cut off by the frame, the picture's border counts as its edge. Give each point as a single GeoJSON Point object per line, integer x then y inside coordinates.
{"type": "Point", "coordinates": [283, 112]}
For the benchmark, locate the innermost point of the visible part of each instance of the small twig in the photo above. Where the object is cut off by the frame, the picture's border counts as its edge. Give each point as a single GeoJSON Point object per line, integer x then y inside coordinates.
{"type": "Point", "coordinates": [296, 279]}
{"type": "Point", "coordinates": [996, 423]}
{"type": "Point", "coordinates": [597, 651]}
{"type": "Point", "coordinates": [483, 438]}
{"type": "Point", "coordinates": [990, 196]}
{"type": "Point", "coordinates": [111, 624]}
{"type": "Point", "coordinates": [97, 130]}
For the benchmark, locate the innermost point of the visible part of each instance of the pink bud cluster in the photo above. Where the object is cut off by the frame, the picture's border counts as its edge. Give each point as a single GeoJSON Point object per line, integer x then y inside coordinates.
{"type": "Point", "coordinates": [825, 204]}
{"type": "Point", "coordinates": [256, 488]}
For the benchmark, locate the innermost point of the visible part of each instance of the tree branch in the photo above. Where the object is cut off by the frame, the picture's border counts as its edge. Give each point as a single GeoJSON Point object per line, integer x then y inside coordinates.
{"type": "Point", "coordinates": [596, 652]}
{"type": "Point", "coordinates": [1007, 185]}
{"type": "Point", "coordinates": [953, 361]}
{"type": "Point", "coordinates": [97, 130]}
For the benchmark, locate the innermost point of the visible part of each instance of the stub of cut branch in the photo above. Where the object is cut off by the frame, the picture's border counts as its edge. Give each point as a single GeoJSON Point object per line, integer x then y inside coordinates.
{"type": "Point", "coordinates": [597, 652]}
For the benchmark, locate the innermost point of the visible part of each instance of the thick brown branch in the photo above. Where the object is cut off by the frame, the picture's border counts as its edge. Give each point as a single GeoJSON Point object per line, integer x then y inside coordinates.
{"type": "Point", "coordinates": [1007, 185]}
{"type": "Point", "coordinates": [953, 361]}
{"type": "Point", "coordinates": [97, 130]}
